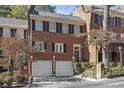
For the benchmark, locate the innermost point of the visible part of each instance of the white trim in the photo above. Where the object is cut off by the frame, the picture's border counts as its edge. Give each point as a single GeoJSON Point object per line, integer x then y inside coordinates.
{"type": "Point", "coordinates": [39, 49]}
{"type": "Point", "coordinates": [59, 44]}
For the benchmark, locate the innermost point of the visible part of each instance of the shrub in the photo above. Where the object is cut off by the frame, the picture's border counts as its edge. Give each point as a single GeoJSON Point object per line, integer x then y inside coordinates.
{"type": "Point", "coordinates": [77, 68]}
{"type": "Point", "coordinates": [4, 75]}
{"type": "Point", "coordinates": [114, 72]}
{"type": "Point", "coordinates": [93, 63]}
{"type": "Point", "coordinates": [90, 72]}
{"type": "Point", "coordinates": [85, 65]}
{"type": "Point", "coordinates": [20, 79]}
{"type": "Point", "coordinates": [11, 66]}
{"type": "Point", "coordinates": [9, 80]}
{"type": "Point", "coordinates": [112, 64]}
{"type": "Point", "coordinates": [1, 83]}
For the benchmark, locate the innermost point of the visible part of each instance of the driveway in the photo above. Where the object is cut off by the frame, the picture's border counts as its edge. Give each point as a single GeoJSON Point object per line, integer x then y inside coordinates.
{"type": "Point", "coordinates": [76, 82]}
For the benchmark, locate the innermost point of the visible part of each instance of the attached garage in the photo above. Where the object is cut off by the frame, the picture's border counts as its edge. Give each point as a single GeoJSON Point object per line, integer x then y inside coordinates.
{"type": "Point", "coordinates": [64, 68]}
{"type": "Point", "coordinates": [42, 68]}
{"type": "Point", "coordinates": [47, 68]}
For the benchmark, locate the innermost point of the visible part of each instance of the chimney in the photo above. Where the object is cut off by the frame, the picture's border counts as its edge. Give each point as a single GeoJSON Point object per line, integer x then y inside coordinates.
{"type": "Point", "coordinates": [32, 10]}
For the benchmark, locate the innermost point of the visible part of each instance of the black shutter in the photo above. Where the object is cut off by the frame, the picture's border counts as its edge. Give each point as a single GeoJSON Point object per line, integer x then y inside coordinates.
{"type": "Point", "coordinates": [33, 24]}
{"type": "Point", "coordinates": [53, 47]}
{"type": "Point", "coordinates": [45, 46]}
{"type": "Point", "coordinates": [116, 21]}
{"type": "Point", "coordinates": [47, 26]}
{"type": "Point", "coordinates": [96, 18]}
{"type": "Point", "coordinates": [33, 44]}
{"type": "Point", "coordinates": [72, 29]}
{"type": "Point", "coordinates": [65, 48]}
{"type": "Point", "coordinates": [119, 21]}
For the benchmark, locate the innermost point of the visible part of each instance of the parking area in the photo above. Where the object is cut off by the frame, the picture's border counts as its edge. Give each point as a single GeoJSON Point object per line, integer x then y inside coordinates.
{"type": "Point", "coordinates": [76, 82]}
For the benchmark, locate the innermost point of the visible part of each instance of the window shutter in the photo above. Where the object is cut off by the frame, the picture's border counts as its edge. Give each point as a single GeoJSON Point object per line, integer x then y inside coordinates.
{"type": "Point", "coordinates": [45, 46]}
{"type": "Point", "coordinates": [96, 18]}
{"type": "Point", "coordinates": [33, 24]}
{"type": "Point", "coordinates": [33, 44]}
{"type": "Point", "coordinates": [116, 23]}
{"type": "Point", "coordinates": [65, 48]}
{"type": "Point", "coordinates": [119, 21]}
{"type": "Point", "coordinates": [81, 29]}
{"type": "Point", "coordinates": [53, 47]}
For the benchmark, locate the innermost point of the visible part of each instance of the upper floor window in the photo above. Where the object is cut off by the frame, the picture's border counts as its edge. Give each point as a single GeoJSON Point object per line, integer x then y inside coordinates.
{"type": "Point", "coordinates": [1, 32]}
{"type": "Point", "coordinates": [13, 32]}
{"type": "Point", "coordinates": [111, 21]}
{"type": "Point", "coordinates": [59, 27]}
{"type": "Point", "coordinates": [39, 25]}
{"type": "Point", "coordinates": [45, 26]}
{"type": "Point", "coordinates": [98, 19]}
{"type": "Point", "coordinates": [71, 29]}
{"type": "Point", "coordinates": [41, 46]}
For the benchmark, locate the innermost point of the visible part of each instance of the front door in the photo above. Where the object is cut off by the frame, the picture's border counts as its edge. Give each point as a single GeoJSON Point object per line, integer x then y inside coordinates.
{"type": "Point", "coordinates": [77, 52]}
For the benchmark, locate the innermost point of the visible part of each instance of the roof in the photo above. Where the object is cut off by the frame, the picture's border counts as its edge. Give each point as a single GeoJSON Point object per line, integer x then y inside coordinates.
{"type": "Point", "coordinates": [13, 22]}
{"type": "Point", "coordinates": [57, 15]}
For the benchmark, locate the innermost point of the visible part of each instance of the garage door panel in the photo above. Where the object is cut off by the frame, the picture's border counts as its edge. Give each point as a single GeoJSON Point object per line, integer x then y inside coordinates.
{"type": "Point", "coordinates": [64, 68]}
{"type": "Point", "coordinates": [42, 68]}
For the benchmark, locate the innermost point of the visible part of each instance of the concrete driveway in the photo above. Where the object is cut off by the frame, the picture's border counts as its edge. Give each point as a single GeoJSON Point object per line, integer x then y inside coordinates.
{"type": "Point", "coordinates": [76, 82]}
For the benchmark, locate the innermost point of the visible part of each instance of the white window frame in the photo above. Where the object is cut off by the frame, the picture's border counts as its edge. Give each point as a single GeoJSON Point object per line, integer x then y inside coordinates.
{"type": "Point", "coordinates": [39, 25]}
{"type": "Point", "coordinates": [59, 50]}
{"type": "Point", "coordinates": [43, 50]}
{"type": "Point", "coordinates": [76, 29]}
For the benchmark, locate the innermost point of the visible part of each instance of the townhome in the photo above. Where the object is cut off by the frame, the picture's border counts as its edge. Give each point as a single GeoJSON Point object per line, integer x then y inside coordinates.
{"type": "Point", "coordinates": [116, 24]}
{"type": "Point", "coordinates": [9, 28]}
{"type": "Point", "coordinates": [54, 37]}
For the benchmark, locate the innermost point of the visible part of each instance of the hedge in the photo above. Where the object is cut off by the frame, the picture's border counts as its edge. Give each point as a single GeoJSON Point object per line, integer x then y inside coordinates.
{"type": "Point", "coordinates": [112, 72]}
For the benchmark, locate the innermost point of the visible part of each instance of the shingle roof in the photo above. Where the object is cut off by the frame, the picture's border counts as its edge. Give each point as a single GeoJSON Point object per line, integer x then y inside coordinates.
{"type": "Point", "coordinates": [59, 15]}
{"type": "Point", "coordinates": [15, 22]}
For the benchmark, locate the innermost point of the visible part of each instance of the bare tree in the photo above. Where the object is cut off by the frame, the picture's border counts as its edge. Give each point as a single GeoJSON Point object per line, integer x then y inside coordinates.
{"type": "Point", "coordinates": [104, 33]}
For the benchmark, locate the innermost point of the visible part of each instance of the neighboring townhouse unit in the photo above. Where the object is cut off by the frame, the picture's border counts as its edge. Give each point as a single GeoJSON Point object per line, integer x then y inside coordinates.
{"type": "Point", "coordinates": [54, 37]}
{"type": "Point", "coordinates": [9, 28]}
{"type": "Point", "coordinates": [116, 24]}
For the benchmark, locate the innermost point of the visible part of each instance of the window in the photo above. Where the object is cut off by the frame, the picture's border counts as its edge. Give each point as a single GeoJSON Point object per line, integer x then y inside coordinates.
{"type": "Point", "coordinates": [45, 26]}
{"type": "Point", "coordinates": [13, 32]}
{"type": "Point", "coordinates": [111, 21]}
{"type": "Point", "coordinates": [59, 47]}
{"type": "Point", "coordinates": [33, 24]}
{"type": "Point", "coordinates": [71, 29]}
{"type": "Point", "coordinates": [98, 19]}
{"type": "Point", "coordinates": [81, 29]}
{"type": "Point", "coordinates": [76, 29]}
{"type": "Point", "coordinates": [41, 46]}
{"type": "Point", "coordinates": [39, 26]}
{"type": "Point", "coordinates": [1, 32]}
{"type": "Point", "coordinates": [59, 27]}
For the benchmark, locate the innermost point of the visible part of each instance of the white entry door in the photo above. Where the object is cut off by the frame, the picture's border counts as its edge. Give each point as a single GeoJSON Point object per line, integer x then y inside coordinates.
{"type": "Point", "coordinates": [42, 68]}
{"type": "Point", "coordinates": [64, 68]}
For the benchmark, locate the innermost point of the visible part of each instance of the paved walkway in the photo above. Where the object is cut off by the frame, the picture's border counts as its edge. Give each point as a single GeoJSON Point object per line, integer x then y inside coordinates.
{"type": "Point", "coordinates": [76, 82]}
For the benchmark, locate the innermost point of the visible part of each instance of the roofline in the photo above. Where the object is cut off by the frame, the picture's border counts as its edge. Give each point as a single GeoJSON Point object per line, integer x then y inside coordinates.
{"type": "Point", "coordinates": [56, 19]}
{"type": "Point", "coordinates": [13, 26]}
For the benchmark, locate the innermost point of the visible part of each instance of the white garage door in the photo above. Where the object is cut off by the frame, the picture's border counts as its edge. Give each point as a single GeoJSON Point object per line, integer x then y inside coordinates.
{"type": "Point", "coordinates": [42, 68]}
{"type": "Point", "coordinates": [64, 68]}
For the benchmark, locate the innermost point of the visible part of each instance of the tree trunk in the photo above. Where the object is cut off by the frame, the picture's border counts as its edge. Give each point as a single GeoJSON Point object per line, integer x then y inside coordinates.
{"type": "Point", "coordinates": [105, 27]}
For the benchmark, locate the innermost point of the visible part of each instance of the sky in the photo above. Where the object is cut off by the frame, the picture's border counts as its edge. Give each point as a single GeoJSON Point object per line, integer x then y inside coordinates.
{"type": "Point", "coordinates": [65, 9]}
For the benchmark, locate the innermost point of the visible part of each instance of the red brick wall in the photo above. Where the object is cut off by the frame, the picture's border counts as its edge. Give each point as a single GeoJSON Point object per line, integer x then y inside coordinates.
{"type": "Point", "coordinates": [49, 38]}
